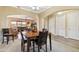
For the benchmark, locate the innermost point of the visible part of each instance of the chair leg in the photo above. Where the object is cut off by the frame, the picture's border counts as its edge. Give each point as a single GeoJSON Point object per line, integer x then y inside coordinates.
{"type": "Point", "coordinates": [33, 47]}
{"type": "Point", "coordinates": [28, 45]}
{"type": "Point", "coordinates": [38, 48]}
{"type": "Point", "coordinates": [46, 46]}
{"type": "Point", "coordinates": [22, 47]}
{"type": "Point", "coordinates": [3, 40]}
{"type": "Point", "coordinates": [7, 40]}
{"type": "Point", "coordinates": [13, 38]}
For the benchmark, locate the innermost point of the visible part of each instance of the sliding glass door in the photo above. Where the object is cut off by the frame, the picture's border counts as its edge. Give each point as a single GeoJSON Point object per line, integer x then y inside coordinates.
{"type": "Point", "coordinates": [73, 25]}
{"type": "Point", "coordinates": [60, 25]}
{"type": "Point", "coordinates": [52, 24]}
{"type": "Point", "coordinates": [65, 24]}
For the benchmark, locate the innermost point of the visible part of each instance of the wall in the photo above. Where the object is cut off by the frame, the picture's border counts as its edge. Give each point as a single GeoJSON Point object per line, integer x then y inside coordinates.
{"type": "Point", "coordinates": [43, 23]}
{"type": "Point", "coordinates": [7, 10]}
{"type": "Point", "coordinates": [65, 24]}
{"type": "Point", "coordinates": [55, 9]}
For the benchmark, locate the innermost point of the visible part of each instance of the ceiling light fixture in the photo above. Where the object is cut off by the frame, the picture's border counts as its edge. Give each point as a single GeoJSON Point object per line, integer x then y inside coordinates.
{"type": "Point", "coordinates": [35, 7]}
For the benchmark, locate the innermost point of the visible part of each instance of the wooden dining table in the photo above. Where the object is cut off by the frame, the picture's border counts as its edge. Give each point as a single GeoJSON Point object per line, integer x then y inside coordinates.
{"type": "Point", "coordinates": [30, 37]}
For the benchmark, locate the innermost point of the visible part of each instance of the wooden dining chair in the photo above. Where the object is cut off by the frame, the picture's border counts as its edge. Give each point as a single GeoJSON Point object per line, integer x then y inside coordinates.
{"type": "Point", "coordinates": [5, 32]}
{"type": "Point", "coordinates": [23, 41]}
{"type": "Point", "coordinates": [42, 40]}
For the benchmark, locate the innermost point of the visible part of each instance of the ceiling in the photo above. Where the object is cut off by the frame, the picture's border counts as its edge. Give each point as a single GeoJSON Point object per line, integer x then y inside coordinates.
{"type": "Point", "coordinates": [48, 10]}
{"type": "Point", "coordinates": [20, 16]}
{"type": "Point", "coordinates": [29, 8]}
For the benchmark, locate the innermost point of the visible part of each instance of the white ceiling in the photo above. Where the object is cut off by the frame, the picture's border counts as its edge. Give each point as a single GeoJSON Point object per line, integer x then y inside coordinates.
{"type": "Point", "coordinates": [29, 8]}
{"type": "Point", "coordinates": [20, 16]}
{"type": "Point", "coordinates": [50, 9]}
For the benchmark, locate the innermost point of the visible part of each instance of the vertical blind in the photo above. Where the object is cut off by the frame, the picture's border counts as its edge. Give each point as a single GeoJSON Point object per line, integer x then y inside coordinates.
{"type": "Point", "coordinates": [65, 24]}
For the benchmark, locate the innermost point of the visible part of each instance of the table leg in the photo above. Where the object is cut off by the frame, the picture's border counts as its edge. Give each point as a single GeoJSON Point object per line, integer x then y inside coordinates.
{"type": "Point", "coordinates": [28, 44]}
{"type": "Point", "coordinates": [13, 38]}
{"type": "Point", "coordinates": [22, 46]}
{"type": "Point", "coordinates": [46, 46]}
{"type": "Point", "coordinates": [38, 46]}
{"type": "Point", "coordinates": [33, 46]}
{"type": "Point", "coordinates": [50, 41]}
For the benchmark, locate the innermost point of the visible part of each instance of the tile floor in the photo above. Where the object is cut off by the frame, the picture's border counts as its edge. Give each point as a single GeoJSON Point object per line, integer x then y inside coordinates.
{"type": "Point", "coordinates": [57, 46]}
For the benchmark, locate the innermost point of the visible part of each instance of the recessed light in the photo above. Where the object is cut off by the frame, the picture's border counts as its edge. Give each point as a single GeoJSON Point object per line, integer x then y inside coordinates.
{"type": "Point", "coordinates": [59, 13]}
{"type": "Point", "coordinates": [35, 7]}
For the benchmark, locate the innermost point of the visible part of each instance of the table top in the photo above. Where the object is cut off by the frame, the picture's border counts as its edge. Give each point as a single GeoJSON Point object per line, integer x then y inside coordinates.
{"type": "Point", "coordinates": [8, 34]}
{"type": "Point", "coordinates": [32, 34]}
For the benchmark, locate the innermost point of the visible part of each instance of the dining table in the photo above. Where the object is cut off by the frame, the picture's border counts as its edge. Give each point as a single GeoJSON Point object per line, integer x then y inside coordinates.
{"type": "Point", "coordinates": [31, 36]}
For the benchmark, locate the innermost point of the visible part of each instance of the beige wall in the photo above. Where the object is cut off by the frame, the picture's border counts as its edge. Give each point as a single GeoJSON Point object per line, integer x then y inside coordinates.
{"type": "Point", "coordinates": [65, 24]}
{"type": "Point", "coordinates": [7, 10]}
{"type": "Point", "coordinates": [55, 9]}
{"type": "Point", "coordinates": [43, 22]}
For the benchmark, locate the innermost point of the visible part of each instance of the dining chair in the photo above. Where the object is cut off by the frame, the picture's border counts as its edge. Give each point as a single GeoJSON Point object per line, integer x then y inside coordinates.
{"type": "Point", "coordinates": [42, 40]}
{"type": "Point", "coordinates": [5, 32]}
{"type": "Point", "coordinates": [24, 41]}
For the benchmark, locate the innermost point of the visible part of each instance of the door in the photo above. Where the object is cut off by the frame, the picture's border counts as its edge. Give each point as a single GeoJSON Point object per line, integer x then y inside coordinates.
{"type": "Point", "coordinates": [73, 25]}
{"type": "Point", "coordinates": [52, 24]}
{"type": "Point", "coordinates": [60, 25]}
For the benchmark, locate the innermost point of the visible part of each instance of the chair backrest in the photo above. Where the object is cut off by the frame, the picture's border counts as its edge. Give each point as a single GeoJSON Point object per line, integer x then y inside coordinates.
{"type": "Point", "coordinates": [22, 36]}
{"type": "Point", "coordinates": [5, 30]}
{"type": "Point", "coordinates": [21, 28]}
{"type": "Point", "coordinates": [43, 37]}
